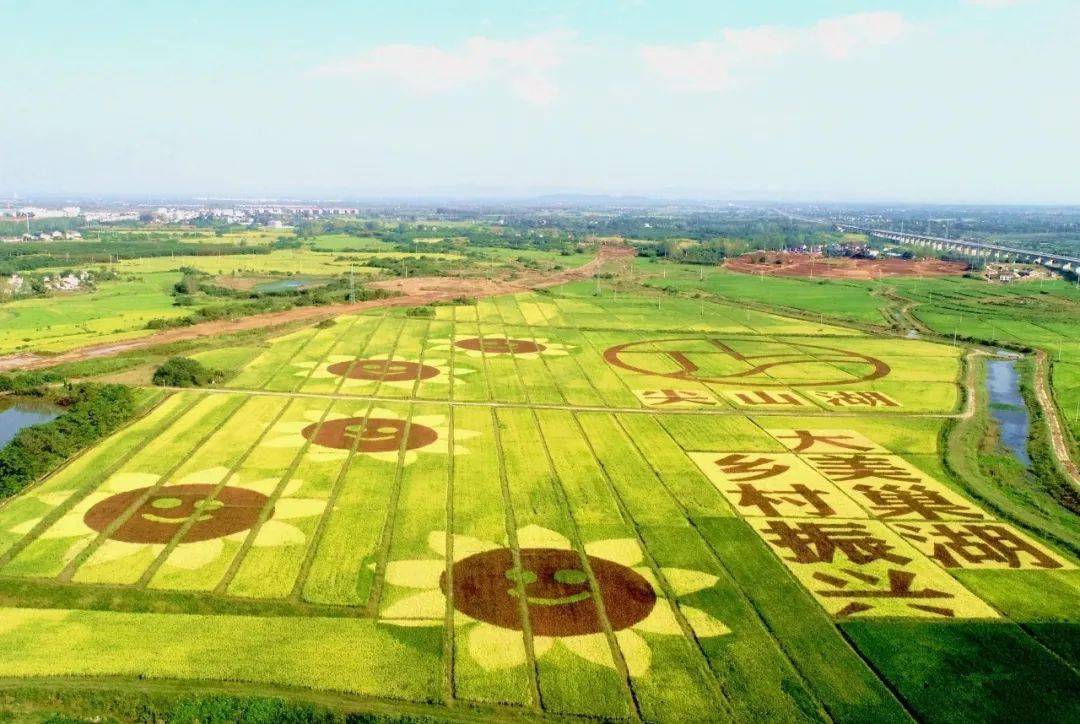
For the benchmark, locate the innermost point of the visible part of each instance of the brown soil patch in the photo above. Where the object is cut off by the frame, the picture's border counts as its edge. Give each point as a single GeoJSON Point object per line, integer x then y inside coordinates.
{"type": "Point", "coordinates": [371, 434]}
{"type": "Point", "coordinates": [162, 514]}
{"type": "Point", "coordinates": [715, 360]}
{"type": "Point", "coordinates": [816, 265]}
{"type": "Point", "coordinates": [386, 370]}
{"type": "Point", "coordinates": [241, 284]}
{"type": "Point", "coordinates": [500, 345]}
{"type": "Point", "coordinates": [556, 588]}
{"type": "Point", "coordinates": [415, 292]}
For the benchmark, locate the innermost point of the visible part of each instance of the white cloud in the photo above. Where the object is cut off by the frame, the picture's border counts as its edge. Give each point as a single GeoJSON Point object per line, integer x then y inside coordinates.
{"type": "Point", "coordinates": [715, 65]}
{"type": "Point", "coordinates": [525, 65]}
{"type": "Point", "coordinates": [994, 3]}
{"type": "Point", "coordinates": [842, 37]}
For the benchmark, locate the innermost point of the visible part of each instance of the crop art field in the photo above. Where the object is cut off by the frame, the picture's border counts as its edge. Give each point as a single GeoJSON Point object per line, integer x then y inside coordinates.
{"type": "Point", "coordinates": [554, 503]}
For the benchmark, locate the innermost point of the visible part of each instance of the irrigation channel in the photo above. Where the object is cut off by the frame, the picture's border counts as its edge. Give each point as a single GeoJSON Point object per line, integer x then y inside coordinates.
{"type": "Point", "coordinates": [1007, 406]}
{"type": "Point", "coordinates": [17, 413]}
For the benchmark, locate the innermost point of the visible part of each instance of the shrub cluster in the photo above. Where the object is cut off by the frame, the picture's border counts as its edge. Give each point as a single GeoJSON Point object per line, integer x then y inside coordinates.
{"type": "Point", "coordinates": [93, 411]}
{"type": "Point", "coordinates": [185, 372]}
{"type": "Point", "coordinates": [31, 384]}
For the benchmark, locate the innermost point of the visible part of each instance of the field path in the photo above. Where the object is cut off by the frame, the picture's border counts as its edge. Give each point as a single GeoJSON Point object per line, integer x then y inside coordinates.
{"type": "Point", "coordinates": [414, 292]}
{"type": "Point", "coordinates": [1053, 420]}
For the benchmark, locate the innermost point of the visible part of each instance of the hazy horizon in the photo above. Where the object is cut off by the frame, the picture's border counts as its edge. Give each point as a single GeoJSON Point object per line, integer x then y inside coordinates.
{"type": "Point", "coordinates": [957, 102]}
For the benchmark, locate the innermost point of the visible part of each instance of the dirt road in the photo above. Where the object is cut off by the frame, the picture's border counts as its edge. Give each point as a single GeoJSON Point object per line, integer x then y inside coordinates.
{"type": "Point", "coordinates": [1053, 420]}
{"type": "Point", "coordinates": [414, 292]}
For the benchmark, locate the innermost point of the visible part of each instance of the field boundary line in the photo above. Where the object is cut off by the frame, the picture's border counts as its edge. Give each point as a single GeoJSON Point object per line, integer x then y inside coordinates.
{"type": "Point", "coordinates": [564, 510]}
{"type": "Point", "coordinates": [669, 593]}
{"type": "Point", "coordinates": [577, 362]}
{"type": "Point", "coordinates": [80, 493]}
{"type": "Point", "coordinates": [238, 559]}
{"type": "Point", "coordinates": [573, 408]}
{"type": "Point", "coordinates": [715, 555]}
{"type": "Point", "coordinates": [76, 563]}
{"type": "Point", "coordinates": [383, 552]}
{"type": "Point", "coordinates": [187, 525]}
{"type": "Point", "coordinates": [312, 548]}
{"type": "Point", "coordinates": [449, 693]}
{"type": "Point", "coordinates": [386, 536]}
{"type": "Point", "coordinates": [227, 577]}
{"type": "Point", "coordinates": [510, 524]}
{"type": "Point", "coordinates": [322, 358]}
{"type": "Point", "coordinates": [449, 633]}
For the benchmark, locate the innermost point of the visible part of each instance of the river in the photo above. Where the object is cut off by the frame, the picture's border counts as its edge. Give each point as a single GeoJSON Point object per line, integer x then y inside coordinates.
{"type": "Point", "coordinates": [17, 413]}
{"type": "Point", "coordinates": [1007, 406]}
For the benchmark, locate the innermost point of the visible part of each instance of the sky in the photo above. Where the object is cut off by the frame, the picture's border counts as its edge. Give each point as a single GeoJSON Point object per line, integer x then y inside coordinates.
{"type": "Point", "coordinates": [952, 101]}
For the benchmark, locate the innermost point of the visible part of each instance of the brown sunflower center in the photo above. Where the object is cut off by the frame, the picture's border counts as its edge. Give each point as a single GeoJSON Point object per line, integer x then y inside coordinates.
{"type": "Point", "coordinates": [165, 510]}
{"type": "Point", "coordinates": [369, 434]}
{"type": "Point", "coordinates": [488, 586]}
{"type": "Point", "coordinates": [500, 345]}
{"type": "Point", "coordinates": [386, 370]}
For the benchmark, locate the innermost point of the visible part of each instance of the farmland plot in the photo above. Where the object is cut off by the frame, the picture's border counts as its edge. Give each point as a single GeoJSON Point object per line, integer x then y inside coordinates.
{"type": "Point", "coordinates": [548, 504]}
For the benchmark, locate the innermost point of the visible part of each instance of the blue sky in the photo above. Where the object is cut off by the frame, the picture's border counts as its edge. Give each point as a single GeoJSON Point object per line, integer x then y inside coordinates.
{"type": "Point", "coordinates": [950, 101]}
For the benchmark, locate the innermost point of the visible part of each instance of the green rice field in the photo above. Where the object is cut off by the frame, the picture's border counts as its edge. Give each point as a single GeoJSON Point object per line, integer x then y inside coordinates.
{"type": "Point", "coordinates": [553, 505]}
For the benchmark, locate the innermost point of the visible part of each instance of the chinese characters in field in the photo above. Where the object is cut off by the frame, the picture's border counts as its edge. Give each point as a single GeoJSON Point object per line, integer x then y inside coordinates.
{"type": "Point", "coordinates": [864, 530]}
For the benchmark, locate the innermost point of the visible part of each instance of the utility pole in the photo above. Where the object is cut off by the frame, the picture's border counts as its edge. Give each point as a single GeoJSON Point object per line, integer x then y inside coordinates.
{"type": "Point", "coordinates": [352, 287]}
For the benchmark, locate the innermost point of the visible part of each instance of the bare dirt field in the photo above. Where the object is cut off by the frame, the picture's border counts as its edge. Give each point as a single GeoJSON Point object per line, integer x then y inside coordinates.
{"type": "Point", "coordinates": [816, 265]}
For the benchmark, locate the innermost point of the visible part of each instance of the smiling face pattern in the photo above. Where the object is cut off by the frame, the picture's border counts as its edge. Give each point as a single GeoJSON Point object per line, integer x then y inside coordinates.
{"type": "Point", "coordinates": [500, 345]}
{"type": "Point", "coordinates": [371, 434]}
{"type": "Point", "coordinates": [158, 518]}
{"type": "Point", "coordinates": [487, 587]}
{"type": "Point", "coordinates": [386, 370]}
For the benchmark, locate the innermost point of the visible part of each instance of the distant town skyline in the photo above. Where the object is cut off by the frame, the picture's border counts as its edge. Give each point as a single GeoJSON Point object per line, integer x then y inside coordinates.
{"type": "Point", "coordinates": [954, 101]}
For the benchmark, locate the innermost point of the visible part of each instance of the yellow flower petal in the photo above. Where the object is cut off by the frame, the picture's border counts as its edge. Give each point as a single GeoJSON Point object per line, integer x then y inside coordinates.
{"type": "Point", "coordinates": [284, 441]}
{"type": "Point", "coordinates": [704, 625]}
{"type": "Point", "coordinates": [591, 647]}
{"type": "Point", "coordinates": [535, 536]}
{"type": "Point", "coordinates": [28, 525]}
{"type": "Point", "coordinates": [429, 605]}
{"type": "Point", "coordinates": [210, 476]}
{"type": "Point", "coordinates": [661, 620]}
{"type": "Point", "coordinates": [278, 533]}
{"type": "Point", "coordinates": [684, 581]}
{"type": "Point", "coordinates": [114, 550]}
{"type": "Point", "coordinates": [635, 651]}
{"type": "Point", "coordinates": [620, 550]}
{"type": "Point", "coordinates": [415, 573]}
{"type": "Point", "coordinates": [54, 499]}
{"type": "Point", "coordinates": [122, 482]}
{"type": "Point", "coordinates": [464, 546]}
{"type": "Point", "coordinates": [542, 644]}
{"type": "Point", "coordinates": [266, 486]}
{"type": "Point", "coordinates": [646, 573]}
{"type": "Point", "coordinates": [494, 647]}
{"type": "Point", "coordinates": [68, 525]}
{"type": "Point", "coordinates": [289, 508]}
{"type": "Point", "coordinates": [190, 556]}
{"type": "Point", "coordinates": [76, 548]}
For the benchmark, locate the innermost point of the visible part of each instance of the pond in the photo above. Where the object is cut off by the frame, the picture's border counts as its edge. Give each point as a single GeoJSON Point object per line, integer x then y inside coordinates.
{"type": "Point", "coordinates": [290, 284]}
{"type": "Point", "coordinates": [1007, 406]}
{"type": "Point", "coordinates": [17, 413]}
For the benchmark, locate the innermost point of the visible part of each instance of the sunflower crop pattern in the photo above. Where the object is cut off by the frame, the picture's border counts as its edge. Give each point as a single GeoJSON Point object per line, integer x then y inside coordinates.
{"type": "Point", "coordinates": [550, 504]}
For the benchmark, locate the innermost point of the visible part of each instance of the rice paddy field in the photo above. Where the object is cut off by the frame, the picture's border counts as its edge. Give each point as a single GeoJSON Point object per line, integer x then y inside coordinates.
{"type": "Point", "coordinates": [554, 505]}
{"type": "Point", "coordinates": [115, 310]}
